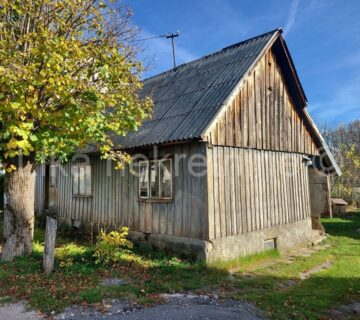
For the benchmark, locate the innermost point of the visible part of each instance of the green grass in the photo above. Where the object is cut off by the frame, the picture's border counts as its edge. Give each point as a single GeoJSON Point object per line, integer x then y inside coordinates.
{"type": "Point", "coordinates": [311, 298]}
{"type": "Point", "coordinates": [275, 287]}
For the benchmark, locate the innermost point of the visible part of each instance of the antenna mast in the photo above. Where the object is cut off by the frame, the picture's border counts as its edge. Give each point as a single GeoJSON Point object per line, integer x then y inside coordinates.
{"type": "Point", "coordinates": [172, 36]}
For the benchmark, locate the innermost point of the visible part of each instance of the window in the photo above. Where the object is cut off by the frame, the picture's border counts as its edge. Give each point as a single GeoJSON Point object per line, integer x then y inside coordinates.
{"type": "Point", "coordinates": [53, 176]}
{"type": "Point", "coordinates": [155, 179]}
{"type": "Point", "coordinates": [270, 244]}
{"type": "Point", "coordinates": [81, 174]}
{"type": "Point", "coordinates": [143, 180]}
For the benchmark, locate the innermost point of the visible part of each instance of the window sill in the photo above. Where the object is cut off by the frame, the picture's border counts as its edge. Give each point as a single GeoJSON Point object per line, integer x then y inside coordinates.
{"type": "Point", "coordinates": [82, 195]}
{"type": "Point", "coordinates": [155, 200]}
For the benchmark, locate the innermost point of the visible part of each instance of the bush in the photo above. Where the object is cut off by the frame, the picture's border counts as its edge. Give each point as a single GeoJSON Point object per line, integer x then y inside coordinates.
{"type": "Point", "coordinates": [111, 247]}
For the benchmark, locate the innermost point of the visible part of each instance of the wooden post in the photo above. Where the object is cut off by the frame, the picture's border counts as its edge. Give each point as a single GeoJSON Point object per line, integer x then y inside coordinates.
{"type": "Point", "coordinates": [49, 250]}
{"type": "Point", "coordinates": [329, 196]}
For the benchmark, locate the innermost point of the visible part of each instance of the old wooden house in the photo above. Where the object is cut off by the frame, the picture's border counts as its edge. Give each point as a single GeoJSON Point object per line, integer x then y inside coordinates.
{"type": "Point", "coordinates": [220, 170]}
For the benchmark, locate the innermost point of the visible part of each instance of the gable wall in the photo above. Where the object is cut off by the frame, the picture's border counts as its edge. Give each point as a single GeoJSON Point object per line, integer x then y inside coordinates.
{"type": "Point", "coordinates": [262, 115]}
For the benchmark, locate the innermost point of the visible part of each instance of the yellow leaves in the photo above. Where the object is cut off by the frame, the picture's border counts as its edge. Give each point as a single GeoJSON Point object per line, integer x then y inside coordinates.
{"type": "Point", "coordinates": [12, 144]}
{"type": "Point", "coordinates": [11, 168]}
{"type": "Point", "coordinates": [54, 97]}
{"type": "Point", "coordinates": [15, 105]}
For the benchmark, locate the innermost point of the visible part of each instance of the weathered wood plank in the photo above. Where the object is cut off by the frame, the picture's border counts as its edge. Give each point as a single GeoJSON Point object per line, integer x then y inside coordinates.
{"type": "Point", "coordinates": [265, 117]}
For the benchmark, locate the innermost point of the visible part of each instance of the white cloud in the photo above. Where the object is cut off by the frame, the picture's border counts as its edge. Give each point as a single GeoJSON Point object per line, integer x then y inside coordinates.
{"type": "Point", "coordinates": [291, 16]}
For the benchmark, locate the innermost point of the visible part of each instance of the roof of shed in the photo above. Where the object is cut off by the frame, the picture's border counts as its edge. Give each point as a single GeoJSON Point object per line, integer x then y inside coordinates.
{"type": "Point", "coordinates": [338, 201]}
{"type": "Point", "coordinates": [188, 97]}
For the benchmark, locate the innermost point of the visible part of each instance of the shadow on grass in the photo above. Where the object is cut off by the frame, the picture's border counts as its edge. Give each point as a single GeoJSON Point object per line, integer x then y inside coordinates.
{"type": "Point", "coordinates": [291, 298]}
{"type": "Point", "coordinates": [344, 226]}
{"type": "Point", "coordinates": [77, 278]}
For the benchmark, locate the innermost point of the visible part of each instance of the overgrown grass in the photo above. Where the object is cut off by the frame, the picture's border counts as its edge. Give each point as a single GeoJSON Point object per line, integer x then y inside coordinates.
{"type": "Point", "coordinates": [276, 287]}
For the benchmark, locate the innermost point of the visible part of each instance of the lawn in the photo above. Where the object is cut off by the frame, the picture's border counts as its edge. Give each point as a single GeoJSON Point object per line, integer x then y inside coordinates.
{"type": "Point", "coordinates": [265, 279]}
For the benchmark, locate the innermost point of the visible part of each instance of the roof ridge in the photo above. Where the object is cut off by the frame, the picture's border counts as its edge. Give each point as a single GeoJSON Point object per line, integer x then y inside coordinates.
{"type": "Point", "coordinates": [215, 52]}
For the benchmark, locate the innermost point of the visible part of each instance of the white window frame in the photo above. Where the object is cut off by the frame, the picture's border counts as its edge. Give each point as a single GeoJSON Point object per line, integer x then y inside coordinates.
{"type": "Point", "coordinates": [87, 171]}
{"type": "Point", "coordinates": [148, 166]}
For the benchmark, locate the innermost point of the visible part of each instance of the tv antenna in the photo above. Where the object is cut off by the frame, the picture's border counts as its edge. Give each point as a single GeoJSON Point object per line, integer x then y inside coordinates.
{"type": "Point", "coordinates": [172, 36]}
{"type": "Point", "coordinates": [167, 36]}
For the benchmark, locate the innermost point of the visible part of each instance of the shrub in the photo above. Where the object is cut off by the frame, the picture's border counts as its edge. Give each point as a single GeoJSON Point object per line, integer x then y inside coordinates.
{"type": "Point", "coordinates": [111, 247]}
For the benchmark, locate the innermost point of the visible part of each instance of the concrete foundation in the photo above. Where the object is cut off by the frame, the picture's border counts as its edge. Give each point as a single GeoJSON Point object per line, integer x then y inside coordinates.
{"type": "Point", "coordinates": [286, 237]}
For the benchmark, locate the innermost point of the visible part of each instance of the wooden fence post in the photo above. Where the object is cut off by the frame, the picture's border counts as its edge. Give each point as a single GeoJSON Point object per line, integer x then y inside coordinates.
{"type": "Point", "coordinates": [49, 250]}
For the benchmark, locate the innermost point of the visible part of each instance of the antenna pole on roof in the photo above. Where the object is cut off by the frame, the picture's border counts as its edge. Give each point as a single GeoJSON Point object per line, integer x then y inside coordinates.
{"type": "Point", "coordinates": [172, 36]}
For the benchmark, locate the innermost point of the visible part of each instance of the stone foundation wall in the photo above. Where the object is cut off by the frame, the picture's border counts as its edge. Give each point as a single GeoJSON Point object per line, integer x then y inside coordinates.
{"type": "Point", "coordinates": [287, 236]}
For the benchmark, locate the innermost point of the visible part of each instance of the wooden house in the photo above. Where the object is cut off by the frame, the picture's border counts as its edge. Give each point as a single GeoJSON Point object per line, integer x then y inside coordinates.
{"type": "Point", "coordinates": [220, 170]}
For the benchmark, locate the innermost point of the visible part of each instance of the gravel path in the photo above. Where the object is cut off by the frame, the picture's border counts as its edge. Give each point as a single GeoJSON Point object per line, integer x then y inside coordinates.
{"type": "Point", "coordinates": [177, 307]}
{"type": "Point", "coordinates": [17, 311]}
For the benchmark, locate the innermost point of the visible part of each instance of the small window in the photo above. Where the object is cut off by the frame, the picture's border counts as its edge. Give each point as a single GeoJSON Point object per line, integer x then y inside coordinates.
{"type": "Point", "coordinates": [270, 244]}
{"type": "Point", "coordinates": [53, 175]}
{"type": "Point", "coordinates": [155, 179]}
{"type": "Point", "coordinates": [81, 174]}
{"type": "Point", "coordinates": [143, 180]}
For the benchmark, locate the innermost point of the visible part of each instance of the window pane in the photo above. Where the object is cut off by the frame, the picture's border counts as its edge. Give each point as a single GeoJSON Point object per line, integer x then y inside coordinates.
{"type": "Point", "coordinates": [166, 178]}
{"type": "Point", "coordinates": [143, 180]}
{"type": "Point", "coordinates": [154, 179]}
{"type": "Point", "coordinates": [81, 180]}
{"type": "Point", "coordinates": [88, 179]}
{"type": "Point", "coordinates": [75, 175]}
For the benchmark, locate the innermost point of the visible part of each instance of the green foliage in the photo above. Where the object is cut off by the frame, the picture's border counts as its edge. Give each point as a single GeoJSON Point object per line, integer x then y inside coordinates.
{"type": "Point", "coordinates": [343, 187]}
{"type": "Point", "coordinates": [68, 77]}
{"type": "Point", "coordinates": [111, 247]}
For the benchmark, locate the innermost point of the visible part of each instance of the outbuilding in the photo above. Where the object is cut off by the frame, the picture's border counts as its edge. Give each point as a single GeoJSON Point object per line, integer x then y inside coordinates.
{"type": "Point", "coordinates": [338, 205]}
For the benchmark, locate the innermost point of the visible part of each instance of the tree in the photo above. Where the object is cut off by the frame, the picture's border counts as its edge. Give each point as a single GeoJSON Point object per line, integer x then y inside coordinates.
{"type": "Point", "coordinates": [68, 77]}
{"type": "Point", "coordinates": [344, 141]}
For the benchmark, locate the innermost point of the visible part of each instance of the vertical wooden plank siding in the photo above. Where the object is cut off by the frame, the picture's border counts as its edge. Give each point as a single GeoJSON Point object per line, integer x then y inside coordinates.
{"type": "Point", "coordinates": [271, 190]}
{"type": "Point", "coordinates": [114, 199]}
{"type": "Point", "coordinates": [263, 116]}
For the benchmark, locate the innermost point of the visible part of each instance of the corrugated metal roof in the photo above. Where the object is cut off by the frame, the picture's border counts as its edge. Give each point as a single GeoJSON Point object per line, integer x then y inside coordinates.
{"type": "Point", "coordinates": [187, 98]}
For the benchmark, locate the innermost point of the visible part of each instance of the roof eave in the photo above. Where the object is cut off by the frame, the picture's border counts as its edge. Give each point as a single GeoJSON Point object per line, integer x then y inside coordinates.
{"type": "Point", "coordinates": [323, 144]}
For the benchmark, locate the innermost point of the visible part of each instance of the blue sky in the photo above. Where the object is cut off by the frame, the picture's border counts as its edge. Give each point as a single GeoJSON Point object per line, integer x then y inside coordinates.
{"type": "Point", "coordinates": [323, 37]}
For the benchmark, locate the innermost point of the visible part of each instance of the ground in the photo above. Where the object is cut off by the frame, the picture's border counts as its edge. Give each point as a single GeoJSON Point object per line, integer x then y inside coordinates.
{"type": "Point", "coordinates": [321, 282]}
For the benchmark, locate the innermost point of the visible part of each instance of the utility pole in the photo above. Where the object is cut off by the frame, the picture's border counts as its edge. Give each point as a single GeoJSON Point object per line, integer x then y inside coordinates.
{"type": "Point", "coordinates": [172, 36]}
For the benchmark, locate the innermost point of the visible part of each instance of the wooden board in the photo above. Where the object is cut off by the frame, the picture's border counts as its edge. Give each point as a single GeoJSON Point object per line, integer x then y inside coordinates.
{"type": "Point", "coordinates": [263, 116]}
{"type": "Point", "coordinates": [270, 189]}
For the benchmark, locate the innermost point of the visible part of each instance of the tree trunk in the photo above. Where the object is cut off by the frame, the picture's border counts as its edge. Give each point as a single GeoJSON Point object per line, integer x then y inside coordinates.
{"type": "Point", "coordinates": [19, 212]}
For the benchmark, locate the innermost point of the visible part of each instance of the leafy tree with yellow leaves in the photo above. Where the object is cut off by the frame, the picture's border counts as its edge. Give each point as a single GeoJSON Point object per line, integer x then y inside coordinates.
{"type": "Point", "coordinates": [68, 77]}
